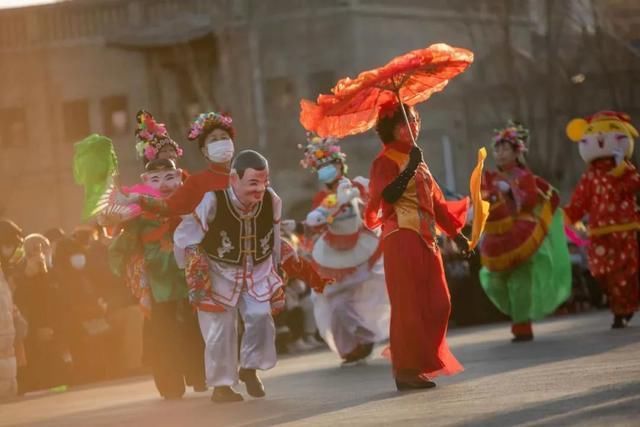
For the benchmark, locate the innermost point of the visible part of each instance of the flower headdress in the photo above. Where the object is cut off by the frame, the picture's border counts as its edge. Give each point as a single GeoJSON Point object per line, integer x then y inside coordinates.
{"type": "Point", "coordinates": [515, 134]}
{"type": "Point", "coordinates": [206, 122]}
{"type": "Point", "coordinates": [321, 151]}
{"type": "Point", "coordinates": [151, 136]}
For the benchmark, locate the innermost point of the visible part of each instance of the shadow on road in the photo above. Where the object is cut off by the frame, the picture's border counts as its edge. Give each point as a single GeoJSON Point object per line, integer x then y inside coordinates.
{"type": "Point", "coordinates": [575, 410]}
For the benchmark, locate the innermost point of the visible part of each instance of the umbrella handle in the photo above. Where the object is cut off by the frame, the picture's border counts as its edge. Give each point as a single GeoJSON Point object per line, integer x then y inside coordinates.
{"type": "Point", "coordinates": [406, 119]}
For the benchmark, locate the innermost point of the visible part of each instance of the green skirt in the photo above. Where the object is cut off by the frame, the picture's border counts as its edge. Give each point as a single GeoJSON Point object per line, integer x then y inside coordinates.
{"type": "Point", "coordinates": [537, 287]}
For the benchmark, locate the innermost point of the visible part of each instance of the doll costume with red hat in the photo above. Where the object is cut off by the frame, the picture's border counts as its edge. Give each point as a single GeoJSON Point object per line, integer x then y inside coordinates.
{"type": "Point", "coordinates": [606, 194]}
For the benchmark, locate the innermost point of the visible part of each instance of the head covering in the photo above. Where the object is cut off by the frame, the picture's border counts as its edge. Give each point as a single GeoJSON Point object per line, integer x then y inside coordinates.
{"type": "Point", "coordinates": [515, 135]}
{"type": "Point", "coordinates": [151, 136]}
{"type": "Point", "coordinates": [577, 128]}
{"type": "Point", "coordinates": [206, 122]}
{"type": "Point", "coordinates": [320, 152]}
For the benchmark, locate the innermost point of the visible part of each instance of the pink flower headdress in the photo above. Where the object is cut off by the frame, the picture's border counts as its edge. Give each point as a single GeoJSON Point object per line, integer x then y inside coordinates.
{"type": "Point", "coordinates": [151, 136]}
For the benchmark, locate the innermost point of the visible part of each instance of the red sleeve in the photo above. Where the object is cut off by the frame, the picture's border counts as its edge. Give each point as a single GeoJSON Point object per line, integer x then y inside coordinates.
{"type": "Point", "coordinates": [486, 186]}
{"type": "Point", "coordinates": [186, 198]}
{"type": "Point", "coordinates": [383, 172]}
{"type": "Point", "coordinates": [528, 191]}
{"type": "Point", "coordinates": [629, 181]}
{"type": "Point", "coordinates": [580, 201]}
{"type": "Point", "coordinates": [297, 267]}
{"type": "Point", "coordinates": [451, 216]}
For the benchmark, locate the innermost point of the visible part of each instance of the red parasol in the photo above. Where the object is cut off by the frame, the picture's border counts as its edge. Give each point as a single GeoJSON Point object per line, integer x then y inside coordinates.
{"type": "Point", "coordinates": [354, 104]}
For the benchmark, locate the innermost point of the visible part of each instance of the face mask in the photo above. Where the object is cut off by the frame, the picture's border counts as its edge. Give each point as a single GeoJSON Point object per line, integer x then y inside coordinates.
{"type": "Point", "coordinates": [220, 151]}
{"type": "Point", "coordinates": [328, 174]}
{"type": "Point", "coordinates": [7, 251]}
{"type": "Point", "coordinates": [78, 261]}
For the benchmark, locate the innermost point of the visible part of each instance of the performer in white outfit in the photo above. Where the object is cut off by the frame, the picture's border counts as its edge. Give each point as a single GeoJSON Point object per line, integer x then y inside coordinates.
{"type": "Point", "coordinates": [353, 314]}
{"type": "Point", "coordinates": [230, 248]}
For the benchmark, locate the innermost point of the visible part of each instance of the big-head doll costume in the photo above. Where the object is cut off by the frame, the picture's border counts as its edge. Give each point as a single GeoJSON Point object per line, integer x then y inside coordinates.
{"type": "Point", "coordinates": [606, 194]}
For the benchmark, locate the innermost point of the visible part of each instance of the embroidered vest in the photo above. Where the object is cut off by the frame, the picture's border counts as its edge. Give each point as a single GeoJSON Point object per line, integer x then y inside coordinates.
{"type": "Point", "coordinates": [407, 207]}
{"type": "Point", "coordinates": [231, 236]}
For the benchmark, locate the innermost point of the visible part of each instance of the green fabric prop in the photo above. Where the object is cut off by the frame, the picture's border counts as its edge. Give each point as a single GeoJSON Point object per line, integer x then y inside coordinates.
{"type": "Point", "coordinates": [94, 163]}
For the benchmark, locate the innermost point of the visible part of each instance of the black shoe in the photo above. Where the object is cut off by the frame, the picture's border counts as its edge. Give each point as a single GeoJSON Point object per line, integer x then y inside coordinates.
{"type": "Point", "coordinates": [225, 394]}
{"type": "Point", "coordinates": [522, 338]}
{"type": "Point", "coordinates": [362, 351]}
{"type": "Point", "coordinates": [414, 384]}
{"type": "Point", "coordinates": [619, 322]}
{"type": "Point", "coordinates": [628, 317]}
{"type": "Point", "coordinates": [250, 379]}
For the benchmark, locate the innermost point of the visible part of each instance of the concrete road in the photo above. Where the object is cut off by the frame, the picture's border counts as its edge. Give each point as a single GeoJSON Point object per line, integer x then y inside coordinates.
{"type": "Point", "coordinates": [578, 372]}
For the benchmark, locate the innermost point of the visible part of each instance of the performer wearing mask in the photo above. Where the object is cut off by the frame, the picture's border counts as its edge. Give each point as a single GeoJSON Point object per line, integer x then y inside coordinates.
{"type": "Point", "coordinates": [230, 247]}
{"type": "Point", "coordinates": [606, 193]}
{"type": "Point", "coordinates": [175, 347]}
{"type": "Point", "coordinates": [353, 314]}
{"type": "Point", "coordinates": [214, 135]}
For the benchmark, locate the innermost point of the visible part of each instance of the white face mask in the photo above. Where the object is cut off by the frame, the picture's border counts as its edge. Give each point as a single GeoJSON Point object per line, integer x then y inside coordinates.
{"type": "Point", "coordinates": [220, 151]}
{"type": "Point", "coordinates": [78, 261]}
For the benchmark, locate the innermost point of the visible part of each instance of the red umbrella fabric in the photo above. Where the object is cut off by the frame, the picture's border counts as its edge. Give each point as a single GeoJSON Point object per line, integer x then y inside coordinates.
{"type": "Point", "coordinates": [354, 104]}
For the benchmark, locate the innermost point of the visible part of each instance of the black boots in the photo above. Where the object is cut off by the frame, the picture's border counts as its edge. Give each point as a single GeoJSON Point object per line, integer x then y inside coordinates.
{"type": "Point", "coordinates": [250, 379]}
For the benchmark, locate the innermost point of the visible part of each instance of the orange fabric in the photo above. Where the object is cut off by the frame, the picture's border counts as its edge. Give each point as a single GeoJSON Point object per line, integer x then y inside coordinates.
{"type": "Point", "coordinates": [480, 207]}
{"type": "Point", "coordinates": [354, 104]}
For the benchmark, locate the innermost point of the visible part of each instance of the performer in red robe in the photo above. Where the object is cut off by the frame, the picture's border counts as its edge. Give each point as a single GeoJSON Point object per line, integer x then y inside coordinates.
{"type": "Point", "coordinates": [412, 205]}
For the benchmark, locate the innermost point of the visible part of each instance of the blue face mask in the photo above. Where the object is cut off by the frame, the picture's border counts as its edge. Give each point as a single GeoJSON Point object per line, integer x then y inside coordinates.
{"type": "Point", "coordinates": [328, 174]}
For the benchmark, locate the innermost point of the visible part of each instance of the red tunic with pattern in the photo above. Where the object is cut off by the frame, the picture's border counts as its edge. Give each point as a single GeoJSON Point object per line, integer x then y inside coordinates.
{"type": "Point", "coordinates": [418, 292]}
{"type": "Point", "coordinates": [607, 195]}
{"type": "Point", "coordinates": [518, 219]}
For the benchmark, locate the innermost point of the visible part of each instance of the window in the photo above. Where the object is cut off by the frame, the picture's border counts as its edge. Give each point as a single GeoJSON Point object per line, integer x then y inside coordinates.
{"type": "Point", "coordinates": [75, 119]}
{"type": "Point", "coordinates": [115, 115]}
{"type": "Point", "coordinates": [13, 126]}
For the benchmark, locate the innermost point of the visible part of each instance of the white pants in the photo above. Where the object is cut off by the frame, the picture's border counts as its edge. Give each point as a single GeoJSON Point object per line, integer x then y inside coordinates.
{"type": "Point", "coordinates": [220, 333]}
{"type": "Point", "coordinates": [346, 324]}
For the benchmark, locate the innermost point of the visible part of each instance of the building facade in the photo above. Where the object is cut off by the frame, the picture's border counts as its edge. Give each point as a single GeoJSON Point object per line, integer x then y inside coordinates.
{"type": "Point", "coordinates": [84, 66]}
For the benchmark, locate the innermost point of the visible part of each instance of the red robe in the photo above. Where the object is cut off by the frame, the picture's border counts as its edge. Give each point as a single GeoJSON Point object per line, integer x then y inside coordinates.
{"type": "Point", "coordinates": [418, 291]}
{"type": "Point", "coordinates": [607, 194]}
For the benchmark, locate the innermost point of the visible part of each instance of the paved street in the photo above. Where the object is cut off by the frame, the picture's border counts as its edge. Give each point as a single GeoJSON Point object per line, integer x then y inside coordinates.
{"type": "Point", "coordinates": [578, 372]}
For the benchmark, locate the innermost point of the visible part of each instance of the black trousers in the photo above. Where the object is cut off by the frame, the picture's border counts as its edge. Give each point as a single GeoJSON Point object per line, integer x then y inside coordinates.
{"type": "Point", "coordinates": [174, 348]}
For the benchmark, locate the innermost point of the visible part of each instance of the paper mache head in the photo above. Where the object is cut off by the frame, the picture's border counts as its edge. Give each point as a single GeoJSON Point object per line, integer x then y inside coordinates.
{"type": "Point", "coordinates": [602, 134]}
